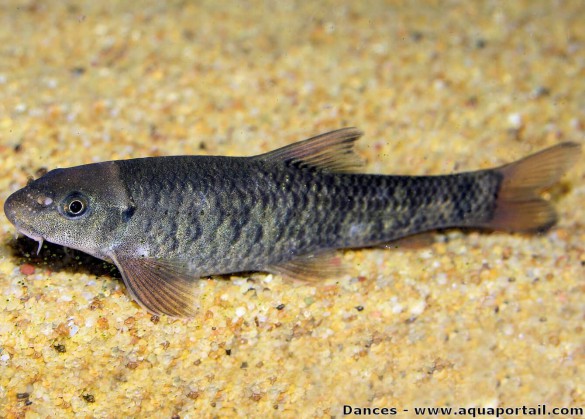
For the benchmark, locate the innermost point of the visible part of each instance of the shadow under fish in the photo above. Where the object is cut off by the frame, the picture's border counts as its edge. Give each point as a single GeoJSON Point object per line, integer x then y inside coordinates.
{"type": "Point", "coordinates": [58, 258]}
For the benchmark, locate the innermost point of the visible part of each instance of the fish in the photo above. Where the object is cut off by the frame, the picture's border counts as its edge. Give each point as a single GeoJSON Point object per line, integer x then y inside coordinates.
{"type": "Point", "coordinates": [166, 222]}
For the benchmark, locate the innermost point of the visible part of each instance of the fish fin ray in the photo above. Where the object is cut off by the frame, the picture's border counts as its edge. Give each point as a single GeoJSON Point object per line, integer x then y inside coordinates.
{"type": "Point", "coordinates": [311, 267]}
{"type": "Point", "coordinates": [331, 152]}
{"type": "Point", "coordinates": [415, 242]}
{"type": "Point", "coordinates": [160, 286]}
{"type": "Point", "coordinates": [519, 206]}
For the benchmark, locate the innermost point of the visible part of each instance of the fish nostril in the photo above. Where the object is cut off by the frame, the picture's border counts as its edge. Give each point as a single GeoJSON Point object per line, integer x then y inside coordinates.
{"type": "Point", "coordinates": [45, 201]}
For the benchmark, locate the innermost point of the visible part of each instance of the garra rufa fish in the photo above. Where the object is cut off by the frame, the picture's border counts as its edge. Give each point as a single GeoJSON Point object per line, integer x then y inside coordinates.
{"type": "Point", "coordinates": [166, 221]}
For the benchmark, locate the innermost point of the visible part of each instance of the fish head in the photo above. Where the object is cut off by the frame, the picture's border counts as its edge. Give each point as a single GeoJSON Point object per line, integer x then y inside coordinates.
{"type": "Point", "coordinates": [79, 207]}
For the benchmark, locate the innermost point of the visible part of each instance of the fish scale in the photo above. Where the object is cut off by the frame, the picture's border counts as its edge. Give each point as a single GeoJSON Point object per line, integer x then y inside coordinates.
{"type": "Point", "coordinates": [166, 221]}
{"type": "Point", "coordinates": [316, 210]}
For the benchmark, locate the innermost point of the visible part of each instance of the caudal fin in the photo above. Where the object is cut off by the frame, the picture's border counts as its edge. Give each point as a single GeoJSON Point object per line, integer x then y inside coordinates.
{"type": "Point", "coordinates": [519, 206]}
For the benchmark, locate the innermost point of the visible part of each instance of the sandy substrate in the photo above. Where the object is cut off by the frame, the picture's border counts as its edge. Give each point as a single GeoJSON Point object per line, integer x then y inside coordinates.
{"type": "Point", "coordinates": [474, 320]}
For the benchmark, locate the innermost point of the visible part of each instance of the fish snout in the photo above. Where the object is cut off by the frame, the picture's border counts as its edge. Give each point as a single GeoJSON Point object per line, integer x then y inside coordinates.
{"type": "Point", "coordinates": [11, 208]}
{"type": "Point", "coordinates": [25, 204]}
{"type": "Point", "coordinates": [20, 210]}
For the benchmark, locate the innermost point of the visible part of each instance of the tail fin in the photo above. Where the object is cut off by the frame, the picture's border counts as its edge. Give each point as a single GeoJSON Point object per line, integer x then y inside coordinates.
{"type": "Point", "coordinates": [519, 206]}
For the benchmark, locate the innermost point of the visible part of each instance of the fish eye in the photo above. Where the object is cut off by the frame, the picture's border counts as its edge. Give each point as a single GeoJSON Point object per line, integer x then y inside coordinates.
{"type": "Point", "coordinates": [75, 205]}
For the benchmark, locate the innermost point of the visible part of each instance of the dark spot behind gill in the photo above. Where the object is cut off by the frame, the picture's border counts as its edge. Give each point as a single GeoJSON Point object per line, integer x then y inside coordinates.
{"type": "Point", "coordinates": [128, 213]}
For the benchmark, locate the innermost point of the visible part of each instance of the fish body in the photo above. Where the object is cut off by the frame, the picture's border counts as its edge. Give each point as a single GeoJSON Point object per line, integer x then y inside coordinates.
{"type": "Point", "coordinates": [166, 221]}
{"type": "Point", "coordinates": [238, 214]}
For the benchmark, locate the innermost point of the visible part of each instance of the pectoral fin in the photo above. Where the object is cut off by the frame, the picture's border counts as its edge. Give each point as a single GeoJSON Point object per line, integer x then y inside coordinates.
{"type": "Point", "coordinates": [161, 287]}
{"type": "Point", "coordinates": [310, 268]}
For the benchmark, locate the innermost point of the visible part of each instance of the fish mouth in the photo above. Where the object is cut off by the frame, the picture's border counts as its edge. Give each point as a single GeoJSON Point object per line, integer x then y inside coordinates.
{"type": "Point", "coordinates": [32, 235]}
{"type": "Point", "coordinates": [10, 209]}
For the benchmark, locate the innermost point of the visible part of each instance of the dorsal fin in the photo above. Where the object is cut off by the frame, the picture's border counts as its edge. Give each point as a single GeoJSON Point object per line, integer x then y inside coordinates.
{"type": "Point", "coordinates": [332, 152]}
